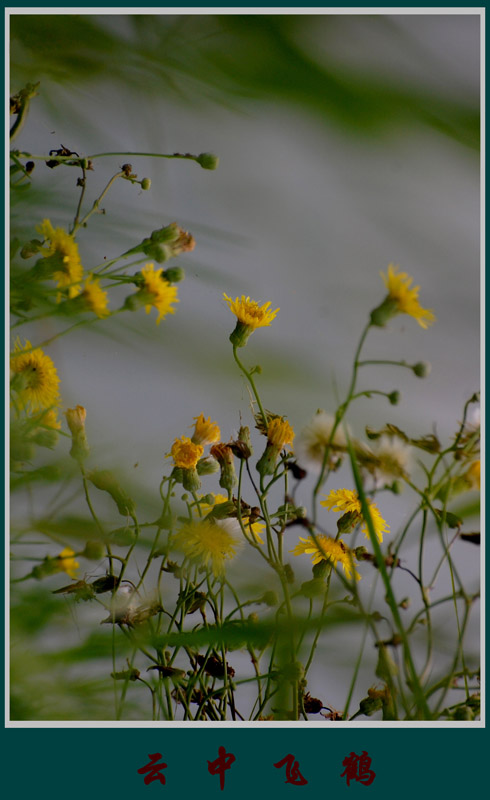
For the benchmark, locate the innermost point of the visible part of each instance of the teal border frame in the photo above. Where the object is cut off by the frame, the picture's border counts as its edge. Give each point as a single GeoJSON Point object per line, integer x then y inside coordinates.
{"type": "Point", "coordinates": [101, 761]}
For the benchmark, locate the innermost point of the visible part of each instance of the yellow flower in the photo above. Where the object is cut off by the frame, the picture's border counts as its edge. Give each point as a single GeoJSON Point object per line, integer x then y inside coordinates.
{"type": "Point", "coordinates": [406, 298]}
{"type": "Point", "coordinates": [63, 245]}
{"type": "Point", "coordinates": [348, 501]}
{"type": "Point", "coordinates": [161, 291]}
{"type": "Point", "coordinates": [249, 317]}
{"type": "Point", "coordinates": [250, 313]}
{"type": "Point", "coordinates": [205, 431]}
{"type": "Point", "coordinates": [185, 453]}
{"type": "Point", "coordinates": [66, 562]}
{"type": "Point", "coordinates": [207, 543]}
{"type": "Point", "coordinates": [94, 297]}
{"type": "Point", "coordinates": [36, 376]}
{"type": "Point", "coordinates": [254, 529]}
{"type": "Point", "coordinates": [279, 433]}
{"type": "Point", "coordinates": [327, 549]}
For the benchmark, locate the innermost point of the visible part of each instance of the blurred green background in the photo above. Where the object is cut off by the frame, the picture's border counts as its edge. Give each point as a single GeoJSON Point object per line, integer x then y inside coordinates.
{"type": "Point", "coordinates": [345, 142]}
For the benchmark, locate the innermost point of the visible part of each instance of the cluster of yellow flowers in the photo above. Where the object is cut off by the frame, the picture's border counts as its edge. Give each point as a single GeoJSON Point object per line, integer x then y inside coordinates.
{"type": "Point", "coordinates": [212, 541]}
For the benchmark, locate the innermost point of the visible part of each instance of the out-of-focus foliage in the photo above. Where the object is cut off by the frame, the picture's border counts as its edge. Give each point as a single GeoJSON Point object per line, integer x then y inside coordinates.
{"type": "Point", "coordinates": [232, 58]}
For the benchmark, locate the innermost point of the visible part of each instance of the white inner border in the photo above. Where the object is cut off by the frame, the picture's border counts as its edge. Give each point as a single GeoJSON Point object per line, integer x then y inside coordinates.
{"type": "Point", "coordinates": [191, 10]}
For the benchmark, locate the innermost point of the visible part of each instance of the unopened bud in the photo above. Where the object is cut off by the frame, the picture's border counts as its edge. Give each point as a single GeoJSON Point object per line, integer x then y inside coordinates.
{"type": "Point", "coordinates": [208, 160]}
{"type": "Point", "coordinates": [206, 466]}
{"type": "Point", "coordinates": [384, 312]}
{"type": "Point", "coordinates": [394, 398]}
{"type": "Point", "coordinates": [348, 521]}
{"type": "Point", "coordinates": [174, 274]}
{"type": "Point", "coordinates": [190, 479]}
{"type": "Point", "coordinates": [422, 369]}
{"type": "Point", "coordinates": [145, 184]}
{"type": "Point", "coordinates": [75, 418]}
{"type": "Point", "coordinates": [270, 599]}
{"type": "Point", "coordinates": [94, 551]}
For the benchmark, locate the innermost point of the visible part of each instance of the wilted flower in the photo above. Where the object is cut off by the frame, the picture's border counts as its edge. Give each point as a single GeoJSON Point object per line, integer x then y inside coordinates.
{"type": "Point", "coordinates": [315, 437]}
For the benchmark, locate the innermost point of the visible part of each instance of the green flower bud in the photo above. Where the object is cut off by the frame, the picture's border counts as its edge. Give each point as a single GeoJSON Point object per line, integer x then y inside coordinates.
{"type": "Point", "coordinates": [174, 274]}
{"type": "Point", "coordinates": [396, 487]}
{"type": "Point", "coordinates": [319, 570]}
{"type": "Point", "coordinates": [208, 160]}
{"type": "Point", "coordinates": [94, 551]}
{"type": "Point", "coordinates": [348, 522]}
{"type": "Point", "coordinates": [145, 184]}
{"type": "Point", "coordinates": [270, 599]}
{"type": "Point", "coordinates": [288, 573]}
{"type": "Point", "coordinates": [190, 479]}
{"type": "Point", "coordinates": [422, 369]}
{"type": "Point", "coordinates": [463, 713]}
{"type": "Point", "coordinates": [394, 398]}
{"type": "Point", "coordinates": [207, 466]}
{"type": "Point", "coordinates": [135, 301]}
{"type": "Point", "coordinates": [157, 252]}
{"type": "Point", "coordinates": [370, 705]}
{"type": "Point", "coordinates": [177, 474]}
{"type": "Point", "coordinates": [239, 337]}
{"type": "Point", "coordinates": [384, 312]}
{"type": "Point", "coordinates": [169, 233]}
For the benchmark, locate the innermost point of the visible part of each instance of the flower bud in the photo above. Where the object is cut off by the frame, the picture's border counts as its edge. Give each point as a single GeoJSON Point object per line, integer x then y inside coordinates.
{"type": "Point", "coordinates": [208, 160]}
{"type": "Point", "coordinates": [207, 466]}
{"type": "Point", "coordinates": [174, 274]}
{"type": "Point", "coordinates": [94, 551]}
{"type": "Point", "coordinates": [319, 570]}
{"type": "Point", "coordinates": [224, 456]}
{"type": "Point", "coordinates": [394, 398]}
{"type": "Point", "coordinates": [348, 521]}
{"type": "Point", "coordinates": [384, 312]}
{"type": "Point", "coordinates": [270, 599]}
{"type": "Point", "coordinates": [370, 705]}
{"type": "Point", "coordinates": [145, 184]}
{"type": "Point", "coordinates": [75, 418]}
{"type": "Point", "coordinates": [422, 369]}
{"type": "Point", "coordinates": [190, 479]}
